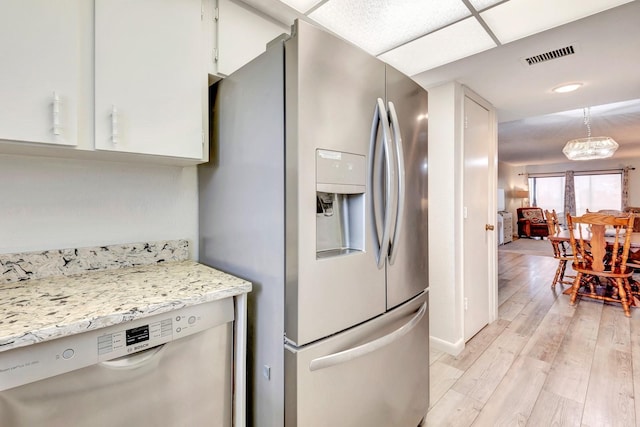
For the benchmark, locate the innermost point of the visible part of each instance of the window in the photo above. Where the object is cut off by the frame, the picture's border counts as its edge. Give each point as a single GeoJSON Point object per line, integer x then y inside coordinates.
{"type": "Point", "coordinates": [596, 192]}
{"type": "Point", "coordinates": [593, 191]}
{"type": "Point", "coordinates": [548, 193]}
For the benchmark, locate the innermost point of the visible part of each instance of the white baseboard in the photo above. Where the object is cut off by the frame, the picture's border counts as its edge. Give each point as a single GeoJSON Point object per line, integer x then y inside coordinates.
{"type": "Point", "coordinates": [448, 347]}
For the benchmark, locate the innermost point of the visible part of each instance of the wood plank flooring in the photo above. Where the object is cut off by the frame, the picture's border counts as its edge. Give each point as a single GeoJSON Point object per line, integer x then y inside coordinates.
{"type": "Point", "coordinates": [543, 362]}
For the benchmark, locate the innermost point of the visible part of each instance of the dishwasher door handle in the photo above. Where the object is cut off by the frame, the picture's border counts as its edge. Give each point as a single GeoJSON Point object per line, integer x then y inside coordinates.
{"type": "Point", "coordinates": [135, 360]}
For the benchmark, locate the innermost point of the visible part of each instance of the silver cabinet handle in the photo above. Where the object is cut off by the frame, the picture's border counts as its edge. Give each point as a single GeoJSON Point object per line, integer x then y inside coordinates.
{"type": "Point", "coordinates": [56, 113]}
{"type": "Point", "coordinates": [114, 124]}
{"type": "Point", "coordinates": [370, 347]}
{"type": "Point", "coordinates": [134, 360]}
{"type": "Point", "coordinates": [380, 116]}
{"type": "Point", "coordinates": [397, 137]}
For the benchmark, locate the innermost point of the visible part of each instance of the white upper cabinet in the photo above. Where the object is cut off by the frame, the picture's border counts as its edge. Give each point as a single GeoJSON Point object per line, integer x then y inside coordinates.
{"type": "Point", "coordinates": [242, 34]}
{"type": "Point", "coordinates": [119, 79]}
{"type": "Point", "coordinates": [39, 68]}
{"type": "Point", "coordinates": [150, 79]}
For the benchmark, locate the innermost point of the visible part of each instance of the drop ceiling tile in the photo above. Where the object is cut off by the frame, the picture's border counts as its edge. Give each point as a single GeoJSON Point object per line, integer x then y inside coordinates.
{"type": "Point", "coordinates": [302, 6]}
{"type": "Point", "coordinates": [516, 19]}
{"type": "Point", "coordinates": [449, 44]}
{"type": "Point", "coordinates": [379, 25]}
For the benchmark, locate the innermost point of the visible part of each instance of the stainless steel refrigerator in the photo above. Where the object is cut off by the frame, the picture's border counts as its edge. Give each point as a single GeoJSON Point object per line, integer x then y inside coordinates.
{"type": "Point", "coordinates": [316, 192]}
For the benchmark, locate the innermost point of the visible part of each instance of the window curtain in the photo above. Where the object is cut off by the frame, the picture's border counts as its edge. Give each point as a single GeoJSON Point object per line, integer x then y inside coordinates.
{"type": "Point", "coordinates": [625, 188]}
{"type": "Point", "coordinates": [569, 194]}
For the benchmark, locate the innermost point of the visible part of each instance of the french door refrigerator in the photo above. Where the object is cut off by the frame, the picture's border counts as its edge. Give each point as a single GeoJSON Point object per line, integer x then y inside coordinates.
{"type": "Point", "coordinates": [316, 192]}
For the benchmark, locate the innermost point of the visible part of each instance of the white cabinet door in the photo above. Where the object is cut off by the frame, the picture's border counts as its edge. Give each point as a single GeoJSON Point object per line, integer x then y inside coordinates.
{"type": "Point", "coordinates": [149, 77]}
{"type": "Point", "coordinates": [243, 34]}
{"type": "Point", "coordinates": [39, 73]}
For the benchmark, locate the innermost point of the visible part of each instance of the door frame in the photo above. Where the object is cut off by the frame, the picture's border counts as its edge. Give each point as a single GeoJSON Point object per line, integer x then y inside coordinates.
{"type": "Point", "coordinates": [492, 207]}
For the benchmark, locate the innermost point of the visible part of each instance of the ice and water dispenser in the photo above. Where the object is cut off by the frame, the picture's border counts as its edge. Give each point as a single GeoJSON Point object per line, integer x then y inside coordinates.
{"type": "Point", "coordinates": [340, 203]}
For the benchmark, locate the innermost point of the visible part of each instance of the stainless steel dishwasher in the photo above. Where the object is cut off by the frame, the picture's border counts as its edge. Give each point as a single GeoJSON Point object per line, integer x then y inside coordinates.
{"type": "Point", "coordinates": [170, 369]}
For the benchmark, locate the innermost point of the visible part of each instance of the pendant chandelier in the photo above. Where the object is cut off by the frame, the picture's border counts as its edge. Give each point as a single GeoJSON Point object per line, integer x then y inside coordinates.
{"type": "Point", "coordinates": [599, 147]}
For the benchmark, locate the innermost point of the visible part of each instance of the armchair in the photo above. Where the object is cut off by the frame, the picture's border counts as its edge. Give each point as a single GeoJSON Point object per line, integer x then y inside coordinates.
{"type": "Point", "coordinates": [531, 223]}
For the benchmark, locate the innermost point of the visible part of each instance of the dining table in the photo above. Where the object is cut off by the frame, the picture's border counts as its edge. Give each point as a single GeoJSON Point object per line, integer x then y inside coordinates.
{"type": "Point", "coordinates": [563, 237]}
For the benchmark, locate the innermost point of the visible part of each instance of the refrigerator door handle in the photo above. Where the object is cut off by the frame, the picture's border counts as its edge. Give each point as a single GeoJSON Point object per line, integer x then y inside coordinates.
{"type": "Point", "coordinates": [373, 176]}
{"type": "Point", "coordinates": [380, 116]}
{"type": "Point", "coordinates": [397, 139]}
{"type": "Point", "coordinates": [355, 352]}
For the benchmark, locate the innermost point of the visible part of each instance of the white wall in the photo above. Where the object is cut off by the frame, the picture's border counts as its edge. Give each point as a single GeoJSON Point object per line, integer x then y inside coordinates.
{"type": "Point", "coordinates": [445, 190]}
{"type": "Point", "coordinates": [510, 180]}
{"type": "Point", "coordinates": [53, 203]}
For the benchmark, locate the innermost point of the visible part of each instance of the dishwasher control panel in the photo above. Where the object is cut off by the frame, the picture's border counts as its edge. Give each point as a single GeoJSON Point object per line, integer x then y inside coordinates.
{"type": "Point", "coordinates": [42, 360]}
{"type": "Point", "coordinates": [134, 339]}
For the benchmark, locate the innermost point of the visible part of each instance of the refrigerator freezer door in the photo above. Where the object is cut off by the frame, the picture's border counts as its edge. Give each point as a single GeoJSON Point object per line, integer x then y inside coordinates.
{"type": "Point", "coordinates": [331, 91]}
{"type": "Point", "coordinates": [407, 267]}
{"type": "Point", "coordinates": [376, 374]}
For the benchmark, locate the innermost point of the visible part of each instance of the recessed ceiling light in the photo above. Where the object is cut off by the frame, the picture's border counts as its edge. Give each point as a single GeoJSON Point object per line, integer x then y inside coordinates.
{"type": "Point", "coordinates": [567, 88]}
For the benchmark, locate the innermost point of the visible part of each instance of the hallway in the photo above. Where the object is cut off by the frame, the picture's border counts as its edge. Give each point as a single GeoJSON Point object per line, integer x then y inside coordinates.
{"type": "Point", "coordinates": [542, 362]}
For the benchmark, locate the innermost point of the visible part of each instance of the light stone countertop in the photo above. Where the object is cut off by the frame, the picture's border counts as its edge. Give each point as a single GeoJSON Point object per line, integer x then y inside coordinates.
{"type": "Point", "coordinates": [52, 307]}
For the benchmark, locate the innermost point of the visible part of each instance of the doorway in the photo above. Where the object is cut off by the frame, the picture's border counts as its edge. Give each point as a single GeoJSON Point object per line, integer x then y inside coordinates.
{"type": "Point", "coordinates": [479, 216]}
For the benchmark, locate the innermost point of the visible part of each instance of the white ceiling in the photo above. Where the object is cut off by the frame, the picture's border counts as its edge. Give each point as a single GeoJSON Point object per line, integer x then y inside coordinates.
{"type": "Point", "coordinates": [484, 48]}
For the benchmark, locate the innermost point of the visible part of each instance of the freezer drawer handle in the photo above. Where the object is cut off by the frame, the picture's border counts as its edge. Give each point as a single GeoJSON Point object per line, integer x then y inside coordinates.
{"type": "Point", "coordinates": [134, 360]}
{"type": "Point", "coordinates": [380, 116]}
{"type": "Point", "coordinates": [370, 347]}
{"type": "Point", "coordinates": [397, 136]}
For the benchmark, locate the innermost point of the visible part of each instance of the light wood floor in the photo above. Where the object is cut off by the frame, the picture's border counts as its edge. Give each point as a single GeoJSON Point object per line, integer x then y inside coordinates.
{"type": "Point", "coordinates": [543, 362]}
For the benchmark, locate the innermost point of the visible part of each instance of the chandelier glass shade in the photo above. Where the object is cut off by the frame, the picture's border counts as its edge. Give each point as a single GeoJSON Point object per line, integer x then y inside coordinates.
{"type": "Point", "coordinates": [589, 148]}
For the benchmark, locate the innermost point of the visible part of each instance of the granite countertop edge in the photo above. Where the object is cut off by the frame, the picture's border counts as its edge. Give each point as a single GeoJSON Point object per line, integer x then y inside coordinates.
{"type": "Point", "coordinates": [158, 289]}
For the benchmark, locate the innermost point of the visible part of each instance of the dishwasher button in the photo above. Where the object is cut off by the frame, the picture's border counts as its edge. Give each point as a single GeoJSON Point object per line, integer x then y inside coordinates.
{"type": "Point", "coordinates": [68, 353]}
{"type": "Point", "coordinates": [192, 320]}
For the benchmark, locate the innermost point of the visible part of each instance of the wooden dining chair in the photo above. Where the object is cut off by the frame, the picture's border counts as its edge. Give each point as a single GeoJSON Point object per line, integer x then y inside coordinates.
{"type": "Point", "coordinates": [561, 250]}
{"type": "Point", "coordinates": [601, 262]}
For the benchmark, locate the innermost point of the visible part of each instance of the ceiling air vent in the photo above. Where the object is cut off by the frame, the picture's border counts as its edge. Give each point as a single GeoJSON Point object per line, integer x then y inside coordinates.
{"type": "Point", "coordinates": [548, 56]}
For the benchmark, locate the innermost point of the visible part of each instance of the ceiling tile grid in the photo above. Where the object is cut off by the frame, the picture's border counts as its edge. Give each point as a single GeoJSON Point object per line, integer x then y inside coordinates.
{"type": "Point", "coordinates": [410, 33]}
{"type": "Point", "coordinates": [484, 45]}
